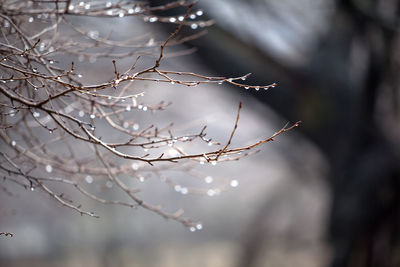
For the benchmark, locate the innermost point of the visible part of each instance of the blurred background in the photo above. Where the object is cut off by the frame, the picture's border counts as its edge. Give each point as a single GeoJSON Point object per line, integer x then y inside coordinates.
{"type": "Point", "coordinates": [324, 194]}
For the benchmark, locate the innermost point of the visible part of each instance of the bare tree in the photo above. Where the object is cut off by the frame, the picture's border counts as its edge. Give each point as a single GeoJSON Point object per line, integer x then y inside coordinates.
{"type": "Point", "coordinates": [47, 107]}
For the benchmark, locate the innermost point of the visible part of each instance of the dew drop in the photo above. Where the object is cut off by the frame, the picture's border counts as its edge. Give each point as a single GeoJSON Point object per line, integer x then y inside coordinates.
{"type": "Point", "coordinates": [184, 190]}
{"type": "Point", "coordinates": [135, 127]}
{"type": "Point", "coordinates": [34, 70]}
{"type": "Point", "coordinates": [177, 188]}
{"type": "Point", "coordinates": [128, 108]}
{"type": "Point", "coordinates": [153, 19]}
{"type": "Point", "coordinates": [199, 13]}
{"type": "Point", "coordinates": [13, 143]}
{"type": "Point", "coordinates": [81, 113]}
{"type": "Point", "coordinates": [109, 184]}
{"type": "Point", "coordinates": [51, 61]}
{"type": "Point", "coordinates": [49, 168]}
{"type": "Point", "coordinates": [81, 3]}
{"type": "Point", "coordinates": [181, 18]}
{"type": "Point", "coordinates": [192, 229]}
{"type": "Point", "coordinates": [210, 143]}
{"type": "Point", "coordinates": [131, 11]}
{"type": "Point", "coordinates": [87, 6]}
{"type": "Point", "coordinates": [31, 19]}
{"type": "Point", "coordinates": [92, 116]}
{"type": "Point", "coordinates": [172, 19]}
{"type": "Point", "coordinates": [125, 124]}
{"type": "Point", "coordinates": [144, 108]}
{"type": "Point", "coordinates": [135, 166]}
{"type": "Point", "coordinates": [257, 88]}
{"type": "Point", "coordinates": [210, 192]}
{"type": "Point", "coordinates": [192, 16]}
{"type": "Point", "coordinates": [71, 7]}
{"type": "Point", "coordinates": [194, 26]}
{"type": "Point", "coordinates": [234, 183]}
{"type": "Point", "coordinates": [89, 179]}
{"type": "Point", "coordinates": [108, 4]}
{"type": "Point", "coordinates": [121, 14]}
{"type": "Point", "coordinates": [213, 162]}
{"type": "Point", "coordinates": [246, 87]}
{"type": "Point", "coordinates": [208, 179]}
{"type": "Point", "coordinates": [32, 188]}
{"type": "Point", "coordinates": [199, 226]}
{"type": "Point", "coordinates": [141, 179]}
{"type": "Point", "coordinates": [80, 75]}
{"type": "Point", "coordinates": [36, 114]}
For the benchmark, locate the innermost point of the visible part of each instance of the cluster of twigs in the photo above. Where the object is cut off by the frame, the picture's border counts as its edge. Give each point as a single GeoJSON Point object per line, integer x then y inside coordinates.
{"type": "Point", "coordinates": [48, 113]}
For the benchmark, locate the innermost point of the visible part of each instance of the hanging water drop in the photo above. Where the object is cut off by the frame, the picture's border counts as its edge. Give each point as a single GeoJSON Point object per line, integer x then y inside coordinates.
{"type": "Point", "coordinates": [184, 191]}
{"type": "Point", "coordinates": [172, 19]}
{"type": "Point", "coordinates": [177, 188]}
{"type": "Point", "coordinates": [208, 179]}
{"type": "Point", "coordinates": [49, 168]}
{"type": "Point", "coordinates": [234, 183]}
{"type": "Point", "coordinates": [89, 179]}
{"type": "Point", "coordinates": [92, 116]}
